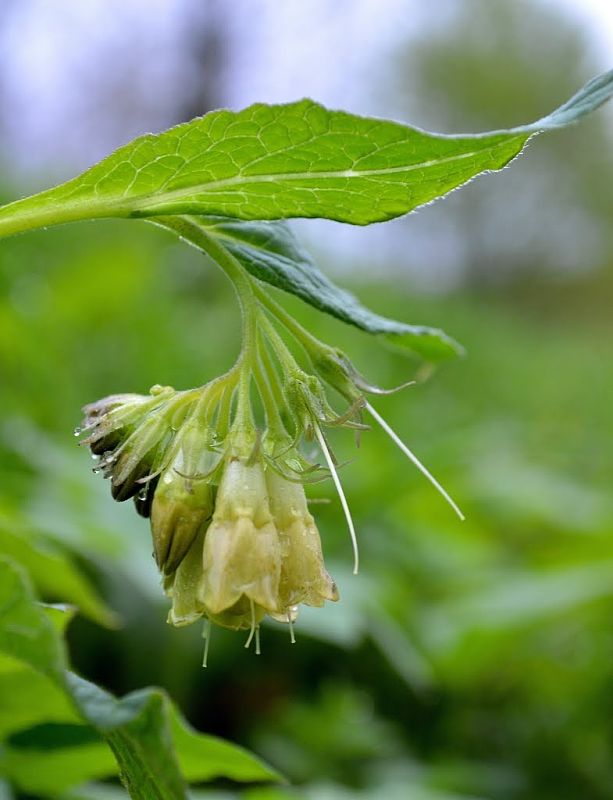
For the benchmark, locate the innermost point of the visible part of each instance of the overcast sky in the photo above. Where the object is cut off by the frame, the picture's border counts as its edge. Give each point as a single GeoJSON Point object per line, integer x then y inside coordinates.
{"type": "Point", "coordinates": [326, 49]}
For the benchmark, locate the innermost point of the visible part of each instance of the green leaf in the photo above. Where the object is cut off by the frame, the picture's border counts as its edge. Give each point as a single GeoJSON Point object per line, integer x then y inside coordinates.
{"type": "Point", "coordinates": [96, 791]}
{"type": "Point", "coordinates": [51, 570]}
{"type": "Point", "coordinates": [26, 633]}
{"type": "Point", "coordinates": [100, 791]}
{"type": "Point", "coordinates": [146, 719]}
{"type": "Point", "coordinates": [137, 731]}
{"type": "Point", "coordinates": [203, 758]}
{"type": "Point", "coordinates": [149, 739]}
{"type": "Point", "coordinates": [63, 756]}
{"type": "Point", "coordinates": [293, 160]}
{"type": "Point", "coordinates": [60, 615]}
{"type": "Point", "coordinates": [270, 252]}
{"type": "Point", "coordinates": [30, 698]}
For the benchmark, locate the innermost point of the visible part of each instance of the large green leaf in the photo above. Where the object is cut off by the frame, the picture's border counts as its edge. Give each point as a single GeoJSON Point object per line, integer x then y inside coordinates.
{"type": "Point", "coordinates": [292, 160]}
{"type": "Point", "coordinates": [270, 252]}
{"type": "Point", "coordinates": [155, 750]}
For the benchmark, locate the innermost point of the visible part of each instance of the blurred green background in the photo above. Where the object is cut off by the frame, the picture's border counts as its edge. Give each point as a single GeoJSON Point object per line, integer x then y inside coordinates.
{"type": "Point", "coordinates": [466, 660]}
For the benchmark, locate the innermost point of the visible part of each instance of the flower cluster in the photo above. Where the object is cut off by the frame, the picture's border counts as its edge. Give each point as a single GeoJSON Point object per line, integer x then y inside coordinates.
{"type": "Point", "coordinates": [232, 533]}
{"type": "Point", "coordinates": [224, 490]}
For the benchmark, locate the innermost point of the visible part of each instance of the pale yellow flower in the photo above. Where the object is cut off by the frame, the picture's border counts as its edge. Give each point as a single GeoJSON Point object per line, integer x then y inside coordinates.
{"type": "Point", "coordinates": [242, 552]}
{"type": "Point", "coordinates": [304, 578]}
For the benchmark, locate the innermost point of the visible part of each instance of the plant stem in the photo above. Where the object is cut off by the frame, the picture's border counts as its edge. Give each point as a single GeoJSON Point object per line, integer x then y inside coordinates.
{"type": "Point", "coordinates": [21, 216]}
{"type": "Point", "coordinates": [271, 408]}
{"type": "Point", "coordinates": [192, 232]}
{"type": "Point", "coordinates": [306, 339]}
{"type": "Point", "coordinates": [284, 355]}
{"type": "Point", "coordinates": [270, 371]}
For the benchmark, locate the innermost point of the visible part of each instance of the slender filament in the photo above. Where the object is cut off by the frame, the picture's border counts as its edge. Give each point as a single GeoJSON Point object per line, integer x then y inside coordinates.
{"type": "Point", "coordinates": [413, 458]}
{"type": "Point", "coordinates": [341, 496]}
{"type": "Point", "coordinates": [253, 625]}
{"type": "Point", "coordinates": [206, 635]}
{"type": "Point", "coordinates": [290, 623]}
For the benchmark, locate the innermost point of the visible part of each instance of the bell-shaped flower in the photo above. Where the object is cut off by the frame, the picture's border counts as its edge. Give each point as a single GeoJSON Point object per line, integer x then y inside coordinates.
{"type": "Point", "coordinates": [242, 553]}
{"type": "Point", "coordinates": [304, 578]}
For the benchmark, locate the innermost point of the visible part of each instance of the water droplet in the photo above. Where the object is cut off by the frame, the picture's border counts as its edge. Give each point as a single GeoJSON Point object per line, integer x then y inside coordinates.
{"type": "Point", "coordinates": [142, 495]}
{"type": "Point", "coordinates": [95, 457]}
{"type": "Point", "coordinates": [157, 389]}
{"type": "Point", "coordinates": [77, 431]}
{"type": "Point", "coordinates": [96, 470]}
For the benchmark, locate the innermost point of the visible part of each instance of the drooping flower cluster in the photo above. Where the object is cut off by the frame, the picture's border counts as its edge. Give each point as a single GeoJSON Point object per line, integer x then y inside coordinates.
{"type": "Point", "coordinates": [232, 534]}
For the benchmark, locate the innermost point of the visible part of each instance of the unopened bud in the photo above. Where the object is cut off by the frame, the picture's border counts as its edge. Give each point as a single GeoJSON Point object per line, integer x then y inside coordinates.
{"type": "Point", "coordinates": [137, 458]}
{"type": "Point", "coordinates": [181, 508]}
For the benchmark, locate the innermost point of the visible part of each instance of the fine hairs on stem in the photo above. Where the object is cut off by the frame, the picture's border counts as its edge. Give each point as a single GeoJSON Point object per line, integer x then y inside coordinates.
{"type": "Point", "coordinates": [413, 458]}
{"type": "Point", "coordinates": [341, 495]}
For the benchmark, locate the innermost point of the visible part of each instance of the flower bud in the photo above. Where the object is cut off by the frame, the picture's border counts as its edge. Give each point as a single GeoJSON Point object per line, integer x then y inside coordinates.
{"type": "Point", "coordinates": [336, 369]}
{"type": "Point", "coordinates": [138, 456]}
{"type": "Point", "coordinates": [131, 432]}
{"type": "Point", "coordinates": [183, 500]}
{"type": "Point", "coordinates": [144, 499]}
{"type": "Point", "coordinates": [304, 578]}
{"type": "Point", "coordinates": [108, 421]}
{"type": "Point", "coordinates": [242, 554]}
{"type": "Point", "coordinates": [181, 508]}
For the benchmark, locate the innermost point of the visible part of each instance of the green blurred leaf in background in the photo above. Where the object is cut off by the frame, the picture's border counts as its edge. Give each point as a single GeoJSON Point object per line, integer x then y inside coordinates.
{"type": "Point", "coordinates": [93, 735]}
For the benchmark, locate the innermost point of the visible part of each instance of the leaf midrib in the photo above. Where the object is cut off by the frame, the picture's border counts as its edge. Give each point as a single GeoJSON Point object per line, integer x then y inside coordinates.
{"type": "Point", "coordinates": [144, 201]}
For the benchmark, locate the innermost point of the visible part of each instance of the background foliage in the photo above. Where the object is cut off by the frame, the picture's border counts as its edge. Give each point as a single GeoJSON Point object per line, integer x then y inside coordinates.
{"type": "Point", "coordinates": [466, 660]}
{"type": "Point", "coordinates": [466, 657]}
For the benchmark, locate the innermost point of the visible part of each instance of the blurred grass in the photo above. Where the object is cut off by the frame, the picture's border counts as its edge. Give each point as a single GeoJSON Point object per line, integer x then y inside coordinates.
{"type": "Point", "coordinates": [466, 659]}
